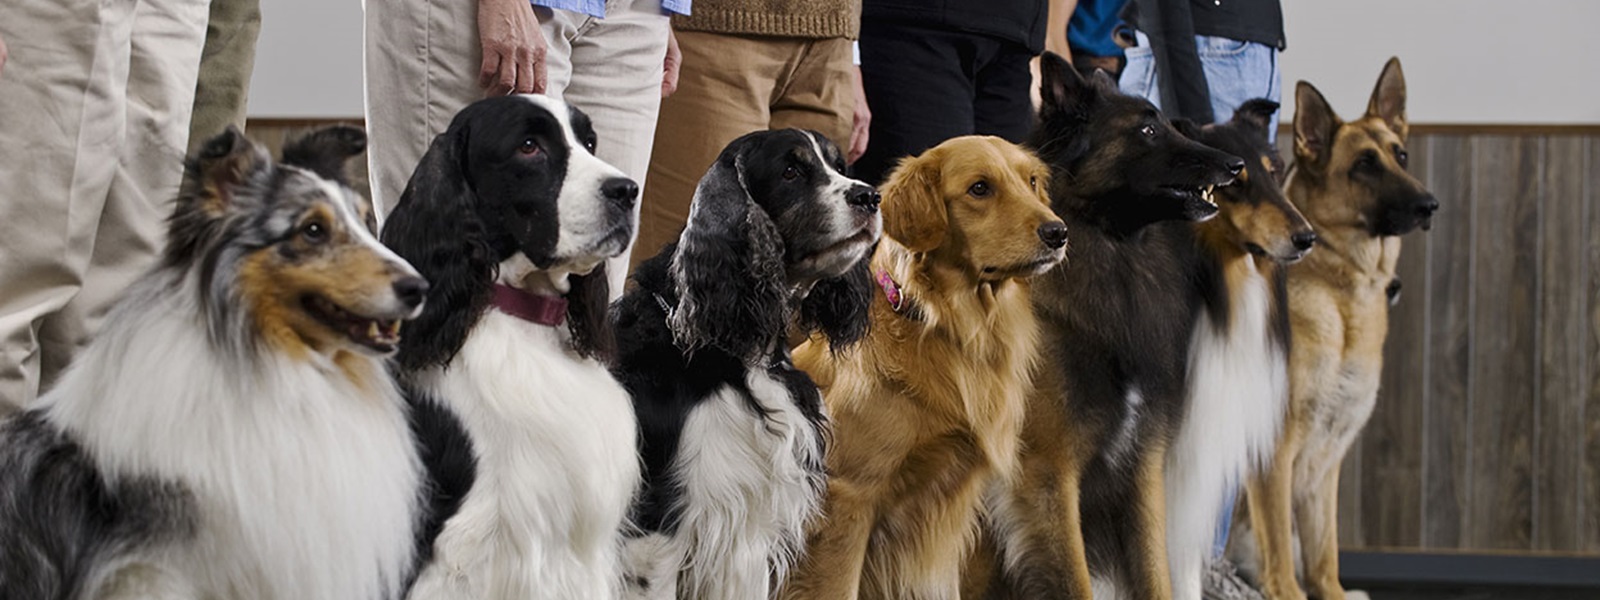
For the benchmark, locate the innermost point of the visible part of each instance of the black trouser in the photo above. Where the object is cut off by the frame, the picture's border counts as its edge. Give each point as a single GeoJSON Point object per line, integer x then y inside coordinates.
{"type": "Point", "coordinates": [926, 85]}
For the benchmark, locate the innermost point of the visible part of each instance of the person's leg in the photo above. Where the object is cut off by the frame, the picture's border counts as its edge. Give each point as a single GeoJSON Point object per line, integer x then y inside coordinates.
{"type": "Point", "coordinates": [422, 59]}
{"type": "Point", "coordinates": [1001, 106]}
{"type": "Point", "coordinates": [615, 77]}
{"type": "Point", "coordinates": [221, 97]}
{"type": "Point", "coordinates": [1139, 73]}
{"type": "Point", "coordinates": [166, 42]}
{"type": "Point", "coordinates": [725, 90]}
{"type": "Point", "coordinates": [1237, 71]}
{"type": "Point", "coordinates": [919, 88]}
{"type": "Point", "coordinates": [817, 94]}
{"type": "Point", "coordinates": [63, 91]}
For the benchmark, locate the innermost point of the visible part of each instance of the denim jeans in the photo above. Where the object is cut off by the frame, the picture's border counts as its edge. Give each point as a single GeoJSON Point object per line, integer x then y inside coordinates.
{"type": "Point", "coordinates": [1235, 72]}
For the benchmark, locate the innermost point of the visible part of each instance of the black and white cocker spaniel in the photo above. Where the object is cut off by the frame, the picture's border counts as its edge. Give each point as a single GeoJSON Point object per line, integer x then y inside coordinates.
{"type": "Point", "coordinates": [528, 440]}
{"type": "Point", "coordinates": [731, 432]}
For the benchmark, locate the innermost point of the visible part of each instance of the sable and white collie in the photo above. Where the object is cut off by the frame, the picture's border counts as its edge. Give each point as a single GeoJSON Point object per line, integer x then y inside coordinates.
{"type": "Point", "coordinates": [231, 433]}
{"type": "Point", "coordinates": [1238, 384]}
{"type": "Point", "coordinates": [731, 431]}
{"type": "Point", "coordinates": [927, 410]}
{"type": "Point", "coordinates": [528, 441]}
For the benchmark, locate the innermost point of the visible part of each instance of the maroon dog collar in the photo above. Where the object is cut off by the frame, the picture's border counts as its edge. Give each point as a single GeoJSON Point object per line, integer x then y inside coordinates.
{"type": "Point", "coordinates": [534, 308]}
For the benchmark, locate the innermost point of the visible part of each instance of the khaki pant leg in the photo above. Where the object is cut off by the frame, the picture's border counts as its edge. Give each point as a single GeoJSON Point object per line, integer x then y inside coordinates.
{"type": "Point", "coordinates": [164, 61]}
{"type": "Point", "coordinates": [615, 77]}
{"type": "Point", "coordinates": [725, 90]}
{"type": "Point", "coordinates": [62, 93]}
{"type": "Point", "coordinates": [422, 59]}
{"type": "Point", "coordinates": [221, 97]}
{"type": "Point", "coordinates": [819, 94]}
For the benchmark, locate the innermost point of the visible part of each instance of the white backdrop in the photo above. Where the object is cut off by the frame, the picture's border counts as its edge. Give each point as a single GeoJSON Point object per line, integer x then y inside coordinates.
{"type": "Point", "coordinates": [1466, 61]}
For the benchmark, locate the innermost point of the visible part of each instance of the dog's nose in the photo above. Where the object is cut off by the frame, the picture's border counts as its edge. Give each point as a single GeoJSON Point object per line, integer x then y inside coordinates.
{"type": "Point", "coordinates": [1235, 166]}
{"type": "Point", "coordinates": [1428, 207]}
{"type": "Point", "coordinates": [411, 290]}
{"type": "Point", "coordinates": [620, 190]}
{"type": "Point", "coordinates": [864, 197]}
{"type": "Point", "coordinates": [1054, 234]}
{"type": "Point", "coordinates": [1304, 240]}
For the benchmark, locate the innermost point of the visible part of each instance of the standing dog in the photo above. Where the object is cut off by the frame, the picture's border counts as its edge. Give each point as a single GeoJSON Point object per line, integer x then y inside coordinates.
{"type": "Point", "coordinates": [731, 431]}
{"type": "Point", "coordinates": [1351, 181]}
{"type": "Point", "coordinates": [528, 440]}
{"type": "Point", "coordinates": [232, 432]}
{"type": "Point", "coordinates": [1238, 358]}
{"type": "Point", "coordinates": [1116, 321]}
{"type": "Point", "coordinates": [927, 410]}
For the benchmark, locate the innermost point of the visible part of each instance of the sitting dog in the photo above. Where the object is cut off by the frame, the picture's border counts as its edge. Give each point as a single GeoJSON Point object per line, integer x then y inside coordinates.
{"type": "Point", "coordinates": [1116, 323]}
{"type": "Point", "coordinates": [1238, 358]}
{"type": "Point", "coordinates": [731, 432]}
{"type": "Point", "coordinates": [527, 439]}
{"type": "Point", "coordinates": [925, 412]}
{"type": "Point", "coordinates": [231, 433]}
{"type": "Point", "coordinates": [1350, 179]}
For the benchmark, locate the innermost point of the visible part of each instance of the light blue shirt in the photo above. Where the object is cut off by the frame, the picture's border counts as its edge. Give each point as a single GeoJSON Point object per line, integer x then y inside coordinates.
{"type": "Point", "coordinates": [597, 8]}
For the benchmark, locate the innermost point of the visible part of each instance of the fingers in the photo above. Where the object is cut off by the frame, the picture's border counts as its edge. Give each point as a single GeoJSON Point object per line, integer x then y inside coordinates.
{"type": "Point", "coordinates": [525, 80]}
{"type": "Point", "coordinates": [858, 143]}
{"type": "Point", "coordinates": [497, 75]}
{"type": "Point", "coordinates": [671, 66]}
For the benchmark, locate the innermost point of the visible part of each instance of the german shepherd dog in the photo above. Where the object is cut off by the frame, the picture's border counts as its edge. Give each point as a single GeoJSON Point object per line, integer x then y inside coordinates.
{"type": "Point", "coordinates": [1116, 323]}
{"type": "Point", "coordinates": [1238, 358]}
{"type": "Point", "coordinates": [1350, 180]}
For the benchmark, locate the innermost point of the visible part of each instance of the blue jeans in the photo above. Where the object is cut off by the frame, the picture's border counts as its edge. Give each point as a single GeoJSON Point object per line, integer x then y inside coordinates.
{"type": "Point", "coordinates": [1235, 72]}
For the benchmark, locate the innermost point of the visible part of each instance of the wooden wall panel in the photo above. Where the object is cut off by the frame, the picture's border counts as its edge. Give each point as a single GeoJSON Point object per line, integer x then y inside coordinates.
{"type": "Point", "coordinates": [1563, 294]}
{"type": "Point", "coordinates": [1505, 206]}
{"type": "Point", "coordinates": [1590, 502]}
{"type": "Point", "coordinates": [1445, 434]}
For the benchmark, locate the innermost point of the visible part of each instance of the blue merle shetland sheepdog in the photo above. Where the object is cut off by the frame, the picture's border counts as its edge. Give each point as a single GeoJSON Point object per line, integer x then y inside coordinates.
{"type": "Point", "coordinates": [232, 432]}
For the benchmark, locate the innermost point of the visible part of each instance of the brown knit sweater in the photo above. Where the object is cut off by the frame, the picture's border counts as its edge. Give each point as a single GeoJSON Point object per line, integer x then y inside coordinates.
{"type": "Point", "coordinates": [785, 18]}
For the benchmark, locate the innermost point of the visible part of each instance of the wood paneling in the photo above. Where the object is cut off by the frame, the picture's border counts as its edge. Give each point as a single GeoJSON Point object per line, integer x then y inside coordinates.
{"type": "Point", "coordinates": [1491, 391]}
{"type": "Point", "coordinates": [1445, 473]}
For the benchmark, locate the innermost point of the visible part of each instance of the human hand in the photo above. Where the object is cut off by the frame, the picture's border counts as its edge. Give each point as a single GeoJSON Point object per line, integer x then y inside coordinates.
{"type": "Point", "coordinates": [2, 55]}
{"type": "Point", "coordinates": [861, 122]}
{"type": "Point", "coordinates": [672, 66]}
{"type": "Point", "coordinates": [513, 48]}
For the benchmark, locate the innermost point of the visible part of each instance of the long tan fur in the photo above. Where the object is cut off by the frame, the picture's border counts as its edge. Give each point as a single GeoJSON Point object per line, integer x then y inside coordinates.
{"type": "Point", "coordinates": [926, 411]}
{"type": "Point", "coordinates": [1339, 298]}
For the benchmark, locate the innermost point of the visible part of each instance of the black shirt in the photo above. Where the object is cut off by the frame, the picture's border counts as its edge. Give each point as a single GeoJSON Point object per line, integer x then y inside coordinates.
{"type": "Point", "coordinates": [1020, 21]}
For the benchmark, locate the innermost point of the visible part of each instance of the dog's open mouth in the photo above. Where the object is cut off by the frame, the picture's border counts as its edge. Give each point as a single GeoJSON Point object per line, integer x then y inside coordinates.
{"type": "Point", "coordinates": [378, 334]}
{"type": "Point", "coordinates": [1203, 193]}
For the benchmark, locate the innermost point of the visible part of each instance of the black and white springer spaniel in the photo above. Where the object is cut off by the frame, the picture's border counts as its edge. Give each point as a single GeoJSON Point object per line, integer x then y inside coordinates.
{"type": "Point", "coordinates": [731, 432]}
{"type": "Point", "coordinates": [527, 439]}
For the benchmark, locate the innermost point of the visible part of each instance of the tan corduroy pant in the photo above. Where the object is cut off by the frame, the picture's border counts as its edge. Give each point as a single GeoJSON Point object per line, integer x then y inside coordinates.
{"type": "Point", "coordinates": [94, 117]}
{"type": "Point", "coordinates": [422, 59]}
{"type": "Point", "coordinates": [732, 85]}
{"type": "Point", "coordinates": [221, 98]}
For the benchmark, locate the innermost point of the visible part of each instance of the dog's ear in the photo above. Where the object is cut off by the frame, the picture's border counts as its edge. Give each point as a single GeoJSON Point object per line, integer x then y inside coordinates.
{"type": "Point", "coordinates": [839, 306]}
{"type": "Point", "coordinates": [436, 228]}
{"type": "Point", "coordinates": [588, 303]}
{"type": "Point", "coordinates": [1062, 91]}
{"type": "Point", "coordinates": [1188, 128]}
{"type": "Point", "coordinates": [325, 150]}
{"type": "Point", "coordinates": [1314, 124]}
{"type": "Point", "coordinates": [1389, 98]}
{"type": "Point", "coordinates": [729, 269]}
{"type": "Point", "coordinates": [224, 162]}
{"type": "Point", "coordinates": [1257, 113]}
{"type": "Point", "coordinates": [914, 212]}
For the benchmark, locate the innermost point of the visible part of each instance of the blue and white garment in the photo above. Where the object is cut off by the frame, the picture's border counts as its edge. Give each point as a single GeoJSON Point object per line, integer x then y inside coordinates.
{"type": "Point", "coordinates": [597, 8]}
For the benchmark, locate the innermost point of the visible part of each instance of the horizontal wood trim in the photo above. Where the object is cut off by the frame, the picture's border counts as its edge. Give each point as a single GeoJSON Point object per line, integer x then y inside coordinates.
{"type": "Point", "coordinates": [1509, 569]}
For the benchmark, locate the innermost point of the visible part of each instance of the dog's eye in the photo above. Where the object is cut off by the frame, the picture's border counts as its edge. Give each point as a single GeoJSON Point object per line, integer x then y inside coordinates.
{"type": "Point", "coordinates": [1033, 182]}
{"type": "Point", "coordinates": [979, 189]}
{"type": "Point", "coordinates": [789, 173]}
{"type": "Point", "coordinates": [1401, 157]}
{"type": "Point", "coordinates": [314, 232]}
{"type": "Point", "coordinates": [529, 147]}
{"type": "Point", "coordinates": [1368, 160]}
{"type": "Point", "coordinates": [1148, 131]}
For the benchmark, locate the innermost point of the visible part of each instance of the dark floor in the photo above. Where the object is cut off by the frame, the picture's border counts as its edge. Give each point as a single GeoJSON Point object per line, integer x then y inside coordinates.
{"type": "Point", "coordinates": [1454, 592]}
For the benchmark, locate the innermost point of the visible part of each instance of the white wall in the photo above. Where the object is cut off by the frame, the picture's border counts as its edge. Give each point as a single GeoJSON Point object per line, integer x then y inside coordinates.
{"type": "Point", "coordinates": [1466, 61]}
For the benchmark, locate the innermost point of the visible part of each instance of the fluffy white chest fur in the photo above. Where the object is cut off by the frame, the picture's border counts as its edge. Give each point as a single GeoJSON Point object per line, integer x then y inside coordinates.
{"type": "Point", "coordinates": [305, 483]}
{"type": "Point", "coordinates": [554, 436]}
{"type": "Point", "coordinates": [1238, 390]}
{"type": "Point", "coordinates": [748, 494]}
